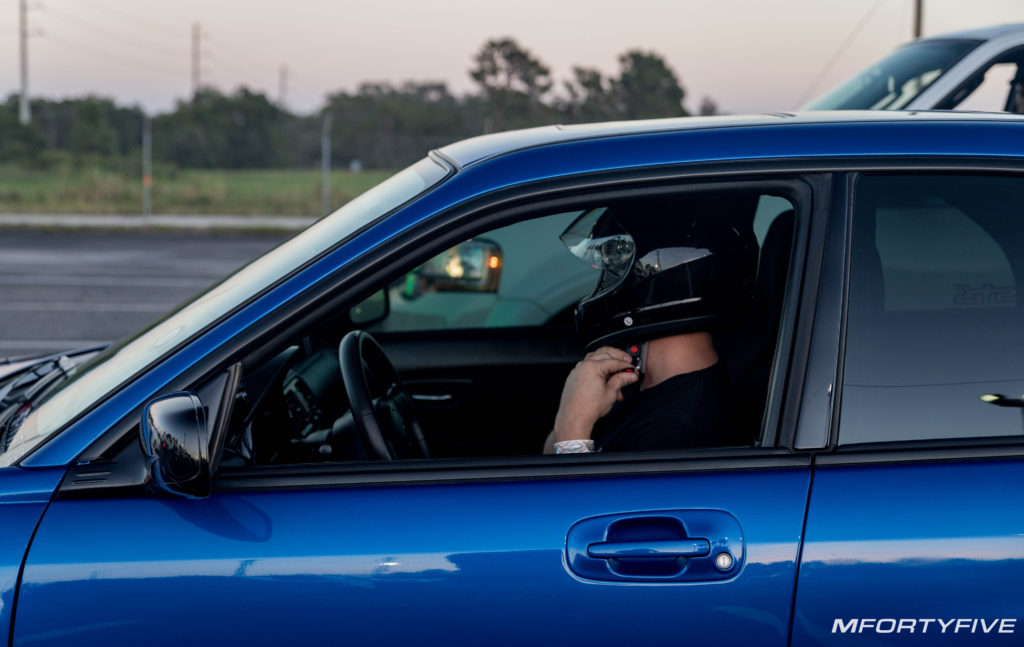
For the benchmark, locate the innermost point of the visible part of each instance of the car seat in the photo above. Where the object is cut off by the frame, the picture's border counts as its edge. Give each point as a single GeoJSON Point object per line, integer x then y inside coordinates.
{"type": "Point", "coordinates": [749, 348]}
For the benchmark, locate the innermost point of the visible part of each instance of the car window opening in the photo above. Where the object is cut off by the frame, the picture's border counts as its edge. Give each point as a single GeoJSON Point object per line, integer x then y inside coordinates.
{"type": "Point", "coordinates": [482, 336]}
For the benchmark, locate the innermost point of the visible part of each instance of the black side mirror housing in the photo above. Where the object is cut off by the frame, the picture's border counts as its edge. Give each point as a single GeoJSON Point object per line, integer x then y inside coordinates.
{"type": "Point", "coordinates": [176, 440]}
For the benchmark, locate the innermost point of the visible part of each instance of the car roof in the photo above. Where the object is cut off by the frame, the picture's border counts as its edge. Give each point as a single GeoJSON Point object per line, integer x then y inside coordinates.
{"type": "Point", "coordinates": [982, 33]}
{"type": "Point", "coordinates": [472, 151]}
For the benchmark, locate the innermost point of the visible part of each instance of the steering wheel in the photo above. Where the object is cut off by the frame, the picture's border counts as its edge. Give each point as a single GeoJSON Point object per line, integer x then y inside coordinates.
{"type": "Point", "coordinates": [382, 408]}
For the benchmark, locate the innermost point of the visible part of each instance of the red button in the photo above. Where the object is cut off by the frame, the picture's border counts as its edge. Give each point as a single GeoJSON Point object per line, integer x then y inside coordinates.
{"type": "Point", "coordinates": [633, 349]}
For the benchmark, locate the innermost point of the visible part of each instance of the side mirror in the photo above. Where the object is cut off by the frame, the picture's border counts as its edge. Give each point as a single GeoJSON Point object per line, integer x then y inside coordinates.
{"type": "Point", "coordinates": [176, 440]}
{"type": "Point", "coordinates": [472, 266]}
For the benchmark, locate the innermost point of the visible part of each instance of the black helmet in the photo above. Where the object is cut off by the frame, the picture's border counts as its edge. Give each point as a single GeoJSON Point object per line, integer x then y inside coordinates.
{"type": "Point", "coordinates": [664, 269]}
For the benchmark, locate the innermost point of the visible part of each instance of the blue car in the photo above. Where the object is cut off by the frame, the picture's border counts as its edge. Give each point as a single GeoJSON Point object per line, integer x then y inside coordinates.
{"type": "Point", "coordinates": [341, 443]}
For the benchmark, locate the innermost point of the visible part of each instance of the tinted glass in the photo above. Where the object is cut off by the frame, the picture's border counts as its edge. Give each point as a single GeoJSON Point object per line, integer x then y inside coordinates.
{"type": "Point", "coordinates": [535, 280]}
{"type": "Point", "coordinates": [934, 330]}
{"type": "Point", "coordinates": [539, 279]}
{"type": "Point", "coordinates": [896, 80]}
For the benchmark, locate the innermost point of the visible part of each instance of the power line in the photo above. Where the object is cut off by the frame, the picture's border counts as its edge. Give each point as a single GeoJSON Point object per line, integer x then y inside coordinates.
{"type": "Point", "coordinates": [107, 54]}
{"type": "Point", "coordinates": [839, 52]}
{"type": "Point", "coordinates": [253, 72]}
{"type": "Point", "coordinates": [247, 75]}
{"type": "Point", "coordinates": [240, 66]}
{"type": "Point", "coordinates": [240, 62]}
{"type": "Point", "coordinates": [146, 45]}
{"type": "Point", "coordinates": [147, 24]}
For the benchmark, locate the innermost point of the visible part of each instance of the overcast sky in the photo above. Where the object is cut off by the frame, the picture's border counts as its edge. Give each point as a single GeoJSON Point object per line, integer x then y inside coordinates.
{"type": "Point", "coordinates": [748, 55]}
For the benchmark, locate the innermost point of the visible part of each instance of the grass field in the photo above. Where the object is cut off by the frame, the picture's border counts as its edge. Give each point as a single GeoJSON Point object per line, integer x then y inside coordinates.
{"type": "Point", "coordinates": [288, 192]}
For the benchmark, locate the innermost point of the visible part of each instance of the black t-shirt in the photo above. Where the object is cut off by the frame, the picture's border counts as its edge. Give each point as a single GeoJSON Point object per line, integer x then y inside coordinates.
{"type": "Point", "coordinates": [688, 410]}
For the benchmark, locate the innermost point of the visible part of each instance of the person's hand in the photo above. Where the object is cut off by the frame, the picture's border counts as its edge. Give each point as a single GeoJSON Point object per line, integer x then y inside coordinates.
{"type": "Point", "coordinates": [590, 391]}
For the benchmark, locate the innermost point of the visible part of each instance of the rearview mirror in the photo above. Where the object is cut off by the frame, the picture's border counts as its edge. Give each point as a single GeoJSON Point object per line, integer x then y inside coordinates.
{"type": "Point", "coordinates": [371, 310]}
{"type": "Point", "coordinates": [472, 266]}
{"type": "Point", "coordinates": [176, 440]}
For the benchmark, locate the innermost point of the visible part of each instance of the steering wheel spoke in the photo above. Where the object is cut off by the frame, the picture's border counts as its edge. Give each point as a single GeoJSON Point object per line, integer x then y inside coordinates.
{"type": "Point", "coordinates": [386, 422]}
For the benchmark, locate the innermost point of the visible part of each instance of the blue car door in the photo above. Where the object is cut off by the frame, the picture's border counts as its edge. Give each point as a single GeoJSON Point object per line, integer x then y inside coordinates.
{"type": "Point", "coordinates": [696, 546]}
{"type": "Point", "coordinates": [915, 531]}
{"type": "Point", "coordinates": [486, 557]}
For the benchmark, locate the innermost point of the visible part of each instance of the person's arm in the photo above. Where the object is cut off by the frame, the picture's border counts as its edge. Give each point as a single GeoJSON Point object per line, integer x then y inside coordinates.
{"type": "Point", "coordinates": [589, 393]}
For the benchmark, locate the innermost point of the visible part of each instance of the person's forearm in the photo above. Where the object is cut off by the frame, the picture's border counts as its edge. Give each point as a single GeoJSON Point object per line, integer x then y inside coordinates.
{"type": "Point", "coordinates": [574, 425]}
{"type": "Point", "coordinates": [580, 446]}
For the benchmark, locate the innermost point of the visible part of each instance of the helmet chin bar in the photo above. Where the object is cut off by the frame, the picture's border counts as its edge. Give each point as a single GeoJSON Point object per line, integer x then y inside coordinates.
{"type": "Point", "coordinates": [646, 332]}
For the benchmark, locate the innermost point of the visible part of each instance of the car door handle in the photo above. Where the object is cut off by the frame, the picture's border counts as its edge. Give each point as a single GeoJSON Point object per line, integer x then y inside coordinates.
{"type": "Point", "coordinates": [440, 393]}
{"type": "Point", "coordinates": [649, 549]}
{"type": "Point", "coordinates": [424, 397]}
{"type": "Point", "coordinates": [697, 545]}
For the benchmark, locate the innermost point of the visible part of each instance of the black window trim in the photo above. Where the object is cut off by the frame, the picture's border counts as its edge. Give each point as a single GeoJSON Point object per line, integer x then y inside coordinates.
{"type": "Point", "coordinates": [919, 451]}
{"type": "Point", "coordinates": [818, 403]}
{"type": "Point", "coordinates": [515, 468]}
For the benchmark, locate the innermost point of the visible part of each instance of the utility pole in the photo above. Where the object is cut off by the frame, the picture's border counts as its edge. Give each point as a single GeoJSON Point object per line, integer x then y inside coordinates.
{"type": "Point", "coordinates": [282, 86]}
{"type": "Point", "coordinates": [918, 11]}
{"type": "Point", "coordinates": [325, 166]}
{"type": "Point", "coordinates": [196, 36]}
{"type": "Point", "coordinates": [147, 167]}
{"type": "Point", "coordinates": [24, 111]}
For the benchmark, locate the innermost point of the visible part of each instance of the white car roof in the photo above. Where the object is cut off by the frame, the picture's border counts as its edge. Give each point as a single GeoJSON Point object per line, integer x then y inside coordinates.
{"type": "Point", "coordinates": [983, 33]}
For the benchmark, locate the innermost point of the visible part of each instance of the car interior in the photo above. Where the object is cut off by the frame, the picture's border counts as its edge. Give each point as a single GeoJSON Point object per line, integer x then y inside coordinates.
{"type": "Point", "coordinates": [462, 352]}
{"type": "Point", "coordinates": [934, 321]}
{"type": "Point", "coordinates": [993, 88]}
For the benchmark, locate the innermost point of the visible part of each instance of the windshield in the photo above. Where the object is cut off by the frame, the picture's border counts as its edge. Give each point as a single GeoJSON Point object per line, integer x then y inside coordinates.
{"type": "Point", "coordinates": [895, 81]}
{"type": "Point", "coordinates": [124, 360]}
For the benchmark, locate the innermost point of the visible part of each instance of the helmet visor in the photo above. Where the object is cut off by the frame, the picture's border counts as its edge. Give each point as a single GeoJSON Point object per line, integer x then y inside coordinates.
{"type": "Point", "coordinates": [599, 240]}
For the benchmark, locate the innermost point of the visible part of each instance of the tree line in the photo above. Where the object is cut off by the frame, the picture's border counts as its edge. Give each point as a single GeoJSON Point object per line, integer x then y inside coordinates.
{"type": "Point", "coordinates": [381, 124]}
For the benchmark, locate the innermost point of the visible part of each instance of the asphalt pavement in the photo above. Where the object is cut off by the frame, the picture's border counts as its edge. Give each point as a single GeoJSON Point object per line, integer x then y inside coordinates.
{"type": "Point", "coordinates": [69, 288]}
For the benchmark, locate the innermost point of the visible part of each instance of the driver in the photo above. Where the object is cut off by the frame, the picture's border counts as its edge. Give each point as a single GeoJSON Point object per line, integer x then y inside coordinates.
{"type": "Point", "coordinates": [652, 379]}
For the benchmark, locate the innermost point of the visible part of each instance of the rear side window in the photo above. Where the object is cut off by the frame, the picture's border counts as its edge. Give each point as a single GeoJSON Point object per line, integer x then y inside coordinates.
{"type": "Point", "coordinates": [935, 332]}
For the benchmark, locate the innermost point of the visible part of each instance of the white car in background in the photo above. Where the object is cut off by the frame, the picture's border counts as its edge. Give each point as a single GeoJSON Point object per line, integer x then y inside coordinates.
{"type": "Point", "coordinates": [976, 69]}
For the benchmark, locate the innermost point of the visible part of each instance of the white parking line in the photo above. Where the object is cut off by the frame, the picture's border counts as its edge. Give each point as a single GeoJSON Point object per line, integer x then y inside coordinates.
{"type": "Point", "coordinates": [111, 281]}
{"type": "Point", "coordinates": [47, 344]}
{"type": "Point", "coordinates": [82, 306]}
{"type": "Point", "coordinates": [176, 221]}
